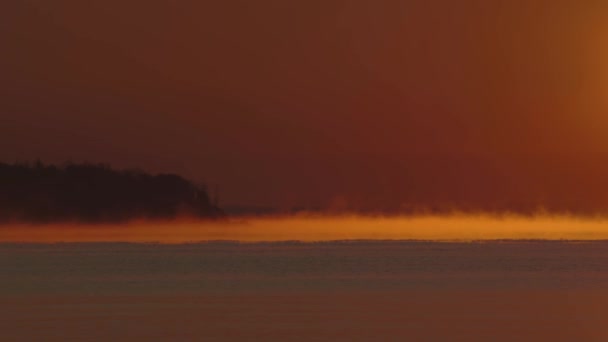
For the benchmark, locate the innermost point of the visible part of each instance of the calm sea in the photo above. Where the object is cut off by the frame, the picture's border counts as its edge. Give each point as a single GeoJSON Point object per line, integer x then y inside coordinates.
{"type": "Point", "coordinates": [365, 290]}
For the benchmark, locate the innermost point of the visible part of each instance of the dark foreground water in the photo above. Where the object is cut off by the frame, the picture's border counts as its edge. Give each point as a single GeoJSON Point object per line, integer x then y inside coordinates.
{"type": "Point", "coordinates": [289, 291]}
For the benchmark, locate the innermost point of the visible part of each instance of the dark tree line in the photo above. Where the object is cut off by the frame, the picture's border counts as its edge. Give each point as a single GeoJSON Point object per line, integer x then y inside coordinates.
{"type": "Point", "coordinates": [96, 193]}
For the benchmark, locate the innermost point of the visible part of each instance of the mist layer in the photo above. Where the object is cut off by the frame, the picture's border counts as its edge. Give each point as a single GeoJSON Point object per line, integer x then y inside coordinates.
{"type": "Point", "coordinates": [310, 228]}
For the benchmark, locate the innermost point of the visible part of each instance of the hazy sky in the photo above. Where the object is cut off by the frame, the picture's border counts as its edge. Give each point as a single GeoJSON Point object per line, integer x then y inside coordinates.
{"type": "Point", "coordinates": [373, 104]}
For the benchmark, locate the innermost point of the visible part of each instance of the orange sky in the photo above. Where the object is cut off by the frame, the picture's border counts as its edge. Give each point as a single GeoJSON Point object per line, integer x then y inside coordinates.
{"type": "Point", "coordinates": [359, 104]}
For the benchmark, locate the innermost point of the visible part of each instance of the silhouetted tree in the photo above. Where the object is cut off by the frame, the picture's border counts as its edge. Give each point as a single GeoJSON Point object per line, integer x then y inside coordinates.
{"type": "Point", "coordinates": [95, 192]}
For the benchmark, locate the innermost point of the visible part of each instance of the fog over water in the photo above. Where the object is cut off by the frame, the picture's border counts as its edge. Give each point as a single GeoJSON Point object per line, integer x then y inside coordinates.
{"type": "Point", "coordinates": [318, 228]}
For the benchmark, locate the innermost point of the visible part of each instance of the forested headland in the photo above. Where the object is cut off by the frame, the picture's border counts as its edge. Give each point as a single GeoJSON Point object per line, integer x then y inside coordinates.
{"type": "Point", "coordinates": [37, 192]}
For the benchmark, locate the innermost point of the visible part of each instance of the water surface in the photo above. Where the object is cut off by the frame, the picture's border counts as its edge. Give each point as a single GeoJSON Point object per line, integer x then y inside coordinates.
{"type": "Point", "coordinates": [461, 285]}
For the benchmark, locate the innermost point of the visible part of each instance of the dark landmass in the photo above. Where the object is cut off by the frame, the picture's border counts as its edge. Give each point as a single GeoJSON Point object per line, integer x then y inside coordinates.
{"type": "Point", "coordinates": [96, 193]}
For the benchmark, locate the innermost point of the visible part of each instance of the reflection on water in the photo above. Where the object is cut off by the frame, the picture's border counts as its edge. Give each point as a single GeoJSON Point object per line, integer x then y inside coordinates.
{"type": "Point", "coordinates": [306, 228]}
{"type": "Point", "coordinates": [294, 291]}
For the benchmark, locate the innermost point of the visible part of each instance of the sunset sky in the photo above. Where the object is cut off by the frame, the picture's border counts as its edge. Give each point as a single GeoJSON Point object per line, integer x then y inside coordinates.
{"type": "Point", "coordinates": [334, 103]}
